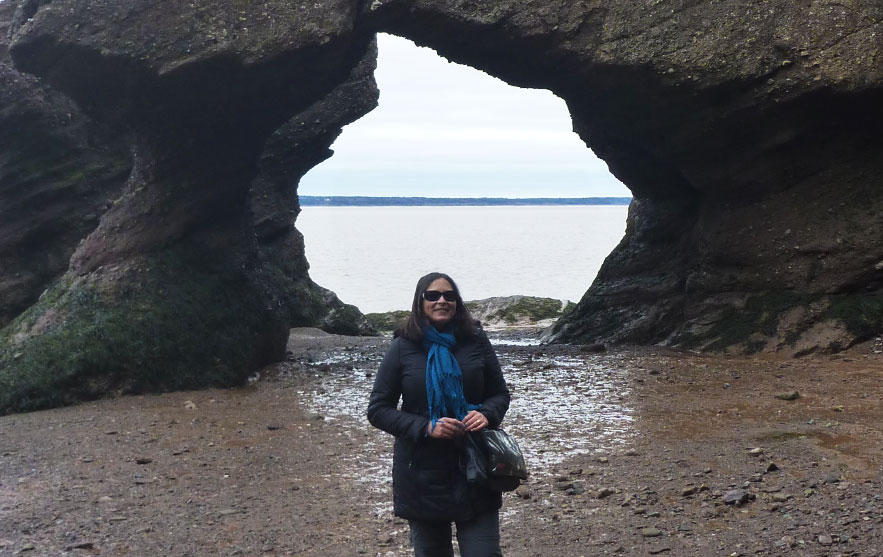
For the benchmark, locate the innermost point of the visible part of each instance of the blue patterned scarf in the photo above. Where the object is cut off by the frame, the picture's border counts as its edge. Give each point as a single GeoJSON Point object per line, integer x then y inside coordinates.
{"type": "Point", "coordinates": [444, 380]}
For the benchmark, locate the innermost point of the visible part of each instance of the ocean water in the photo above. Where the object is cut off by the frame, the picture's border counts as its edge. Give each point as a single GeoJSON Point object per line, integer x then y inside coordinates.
{"type": "Point", "coordinates": [372, 256]}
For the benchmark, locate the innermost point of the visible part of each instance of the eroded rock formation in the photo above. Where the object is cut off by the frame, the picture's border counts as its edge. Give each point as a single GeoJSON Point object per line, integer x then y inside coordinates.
{"type": "Point", "coordinates": [292, 150]}
{"type": "Point", "coordinates": [749, 133]}
{"type": "Point", "coordinates": [176, 285]}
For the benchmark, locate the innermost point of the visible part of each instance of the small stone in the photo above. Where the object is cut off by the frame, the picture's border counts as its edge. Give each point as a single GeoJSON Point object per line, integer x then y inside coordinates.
{"type": "Point", "coordinates": [117, 518]}
{"type": "Point", "coordinates": [105, 499]}
{"type": "Point", "coordinates": [757, 451]}
{"type": "Point", "coordinates": [273, 427]}
{"type": "Point", "coordinates": [523, 492]}
{"type": "Point", "coordinates": [736, 497]}
{"type": "Point", "coordinates": [227, 512]}
{"type": "Point", "coordinates": [605, 492]}
{"type": "Point", "coordinates": [781, 497]}
{"type": "Point", "coordinates": [651, 532]}
{"type": "Point", "coordinates": [772, 467]}
{"type": "Point", "coordinates": [690, 490]}
{"type": "Point", "coordinates": [143, 460]}
{"type": "Point", "coordinates": [825, 540]}
{"type": "Point", "coordinates": [189, 405]}
{"type": "Point", "coordinates": [790, 395]}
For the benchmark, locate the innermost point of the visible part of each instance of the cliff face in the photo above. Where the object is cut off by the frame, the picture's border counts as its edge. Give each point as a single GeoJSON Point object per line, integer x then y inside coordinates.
{"type": "Point", "coordinates": [749, 133]}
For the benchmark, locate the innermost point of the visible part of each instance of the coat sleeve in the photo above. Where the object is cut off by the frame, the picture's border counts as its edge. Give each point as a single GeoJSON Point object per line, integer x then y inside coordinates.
{"type": "Point", "coordinates": [496, 393]}
{"type": "Point", "coordinates": [383, 412]}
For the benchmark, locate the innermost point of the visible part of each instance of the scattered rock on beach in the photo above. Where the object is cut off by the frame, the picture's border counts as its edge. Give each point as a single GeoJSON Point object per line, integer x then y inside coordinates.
{"type": "Point", "coordinates": [789, 395]}
{"type": "Point", "coordinates": [737, 497]}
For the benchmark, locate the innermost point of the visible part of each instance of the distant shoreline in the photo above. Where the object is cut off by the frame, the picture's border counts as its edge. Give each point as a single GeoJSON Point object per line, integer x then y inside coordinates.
{"type": "Point", "coordinates": [365, 201]}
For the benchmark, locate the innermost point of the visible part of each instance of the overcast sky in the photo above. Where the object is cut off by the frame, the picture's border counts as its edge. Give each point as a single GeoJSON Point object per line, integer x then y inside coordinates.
{"type": "Point", "coordinates": [446, 130]}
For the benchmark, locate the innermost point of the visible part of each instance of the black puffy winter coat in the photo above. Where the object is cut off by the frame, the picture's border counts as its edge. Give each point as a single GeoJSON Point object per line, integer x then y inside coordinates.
{"type": "Point", "coordinates": [428, 483]}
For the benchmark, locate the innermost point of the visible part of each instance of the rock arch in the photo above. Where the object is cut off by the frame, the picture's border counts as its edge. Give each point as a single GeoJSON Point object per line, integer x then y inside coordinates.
{"type": "Point", "coordinates": [747, 131]}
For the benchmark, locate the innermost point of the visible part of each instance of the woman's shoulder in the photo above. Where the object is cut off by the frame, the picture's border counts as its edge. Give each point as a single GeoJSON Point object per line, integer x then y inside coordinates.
{"type": "Point", "coordinates": [403, 343]}
{"type": "Point", "coordinates": [476, 334]}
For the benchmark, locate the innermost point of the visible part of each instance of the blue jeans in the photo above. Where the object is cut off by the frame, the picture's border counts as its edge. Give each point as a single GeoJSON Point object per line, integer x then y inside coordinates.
{"type": "Point", "coordinates": [479, 537]}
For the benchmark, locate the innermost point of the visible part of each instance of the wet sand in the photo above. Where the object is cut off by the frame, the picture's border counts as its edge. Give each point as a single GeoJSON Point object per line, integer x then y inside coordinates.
{"type": "Point", "coordinates": [632, 452]}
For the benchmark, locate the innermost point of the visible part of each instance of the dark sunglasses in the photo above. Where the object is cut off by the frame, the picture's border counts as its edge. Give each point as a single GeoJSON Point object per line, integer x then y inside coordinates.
{"type": "Point", "coordinates": [434, 295]}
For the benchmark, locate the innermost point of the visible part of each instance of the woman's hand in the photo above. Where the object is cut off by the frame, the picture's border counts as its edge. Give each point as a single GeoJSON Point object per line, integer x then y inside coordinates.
{"type": "Point", "coordinates": [446, 428]}
{"type": "Point", "coordinates": [475, 421]}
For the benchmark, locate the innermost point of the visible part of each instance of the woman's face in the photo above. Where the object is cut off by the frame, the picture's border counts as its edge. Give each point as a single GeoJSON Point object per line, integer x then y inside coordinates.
{"type": "Point", "coordinates": [441, 311]}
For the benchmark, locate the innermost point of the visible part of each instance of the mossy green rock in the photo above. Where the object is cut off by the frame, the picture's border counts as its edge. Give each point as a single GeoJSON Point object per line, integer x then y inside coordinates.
{"type": "Point", "coordinates": [498, 312]}
{"type": "Point", "coordinates": [524, 311]}
{"type": "Point", "coordinates": [152, 326]}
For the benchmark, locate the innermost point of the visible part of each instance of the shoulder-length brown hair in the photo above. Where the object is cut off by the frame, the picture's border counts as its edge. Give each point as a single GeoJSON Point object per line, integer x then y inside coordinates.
{"type": "Point", "coordinates": [462, 322]}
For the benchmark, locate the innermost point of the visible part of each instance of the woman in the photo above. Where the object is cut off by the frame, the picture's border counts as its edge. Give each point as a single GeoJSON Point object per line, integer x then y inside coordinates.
{"type": "Point", "coordinates": [444, 369]}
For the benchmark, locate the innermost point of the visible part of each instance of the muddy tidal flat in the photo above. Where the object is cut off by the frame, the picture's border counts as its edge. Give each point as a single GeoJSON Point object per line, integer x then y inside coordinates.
{"type": "Point", "coordinates": [631, 451]}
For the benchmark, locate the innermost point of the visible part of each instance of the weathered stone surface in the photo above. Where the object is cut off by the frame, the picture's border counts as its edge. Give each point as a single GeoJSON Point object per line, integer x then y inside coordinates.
{"type": "Point", "coordinates": [749, 135]}
{"type": "Point", "coordinates": [292, 150]}
{"type": "Point", "coordinates": [59, 171]}
{"type": "Point", "coordinates": [171, 289]}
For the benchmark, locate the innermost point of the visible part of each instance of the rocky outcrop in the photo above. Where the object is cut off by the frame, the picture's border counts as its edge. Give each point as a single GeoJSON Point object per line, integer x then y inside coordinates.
{"type": "Point", "coordinates": [749, 135]}
{"type": "Point", "coordinates": [747, 131]}
{"type": "Point", "coordinates": [501, 312]}
{"type": "Point", "coordinates": [171, 288]}
{"type": "Point", "coordinates": [529, 312]}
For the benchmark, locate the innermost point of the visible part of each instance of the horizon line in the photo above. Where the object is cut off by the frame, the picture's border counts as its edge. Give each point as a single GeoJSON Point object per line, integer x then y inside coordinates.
{"type": "Point", "coordinates": [449, 197]}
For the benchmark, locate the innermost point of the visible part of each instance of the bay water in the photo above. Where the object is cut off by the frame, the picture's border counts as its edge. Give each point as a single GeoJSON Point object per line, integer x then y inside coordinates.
{"type": "Point", "coordinates": [372, 256]}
